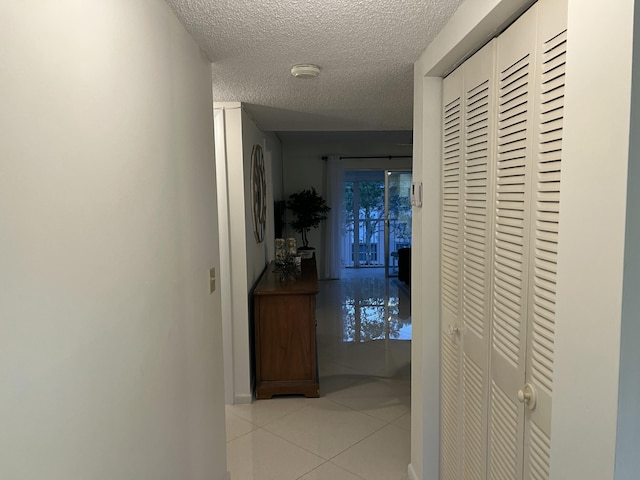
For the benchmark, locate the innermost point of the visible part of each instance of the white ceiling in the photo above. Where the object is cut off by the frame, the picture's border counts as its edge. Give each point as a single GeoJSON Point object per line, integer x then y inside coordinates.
{"type": "Point", "coordinates": [365, 49]}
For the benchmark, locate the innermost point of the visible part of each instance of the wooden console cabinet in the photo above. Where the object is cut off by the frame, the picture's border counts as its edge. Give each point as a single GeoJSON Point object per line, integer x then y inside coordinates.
{"type": "Point", "coordinates": [285, 334]}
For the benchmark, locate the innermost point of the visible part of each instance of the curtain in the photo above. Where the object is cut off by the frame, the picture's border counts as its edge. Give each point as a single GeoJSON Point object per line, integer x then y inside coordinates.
{"type": "Point", "coordinates": [334, 188]}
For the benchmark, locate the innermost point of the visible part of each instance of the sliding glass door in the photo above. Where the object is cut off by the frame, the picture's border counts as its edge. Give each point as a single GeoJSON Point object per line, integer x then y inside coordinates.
{"type": "Point", "coordinates": [378, 218]}
{"type": "Point", "coordinates": [397, 223]}
{"type": "Point", "coordinates": [364, 214]}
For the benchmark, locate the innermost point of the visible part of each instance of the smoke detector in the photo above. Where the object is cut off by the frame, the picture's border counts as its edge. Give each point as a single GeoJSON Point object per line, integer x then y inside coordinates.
{"type": "Point", "coordinates": [305, 71]}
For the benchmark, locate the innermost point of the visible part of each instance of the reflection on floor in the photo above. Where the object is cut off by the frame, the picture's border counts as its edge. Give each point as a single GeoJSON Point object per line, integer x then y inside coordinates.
{"type": "Point", "coordinates": [360, 427]}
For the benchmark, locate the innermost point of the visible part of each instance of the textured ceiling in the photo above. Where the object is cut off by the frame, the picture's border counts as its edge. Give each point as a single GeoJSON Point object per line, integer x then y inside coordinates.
{"type": "Point", "coordinates": [365, 49]}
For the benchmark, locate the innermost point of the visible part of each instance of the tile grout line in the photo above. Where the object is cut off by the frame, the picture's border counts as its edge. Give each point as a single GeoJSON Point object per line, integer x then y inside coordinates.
{"type": "Point", "coordinates": [335, 465]}
{"type": "Point", "coordinates": [385, 424]}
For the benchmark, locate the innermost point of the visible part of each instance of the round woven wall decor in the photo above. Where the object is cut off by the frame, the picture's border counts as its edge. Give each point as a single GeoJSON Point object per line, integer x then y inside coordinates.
{"type": "Point", "coordinates": [258, 193]}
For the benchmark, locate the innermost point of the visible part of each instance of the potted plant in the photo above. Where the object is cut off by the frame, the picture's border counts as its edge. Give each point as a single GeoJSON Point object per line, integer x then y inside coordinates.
{"type": "Point", "coordinates": [310, 209]}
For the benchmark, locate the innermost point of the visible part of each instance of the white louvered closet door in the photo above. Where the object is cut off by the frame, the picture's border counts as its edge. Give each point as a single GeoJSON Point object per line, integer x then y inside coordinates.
{"type": "Point", "coordinates": [477, 206]}
{"type": "Point", "coordinates": [502, 139]}
{"type": "Point", "coordinates": [531, 56]}
{"type": "Point", "coordinates": [546, 163]}
{"type": "Point", "coordinates": [452, 157]}
{"type": "Point", "coordinates": [468, 139]}
{"type": "Point", "coordinates": [515, 71]}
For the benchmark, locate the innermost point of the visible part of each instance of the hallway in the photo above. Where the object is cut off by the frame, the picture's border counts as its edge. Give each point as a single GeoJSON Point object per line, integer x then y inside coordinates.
{"type": "Point", "coordinates": [359, 429]}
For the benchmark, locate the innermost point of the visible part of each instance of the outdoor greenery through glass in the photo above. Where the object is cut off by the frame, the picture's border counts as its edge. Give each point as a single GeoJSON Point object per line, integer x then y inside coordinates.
{"type": "Point", "coordinates": [370, 220]}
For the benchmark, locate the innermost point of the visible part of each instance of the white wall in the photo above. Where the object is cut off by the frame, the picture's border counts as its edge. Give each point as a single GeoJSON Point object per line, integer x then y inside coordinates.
{"type": "Point", "coordinates": [304, 168]}
{"type": "Point", "coordinates": [274, 150]}
{"type": "Point", "coordinates": [425, 272]}
{"type": "Point", "coordinates": [256, 252]}
{"type": "Point", "coordinates": [110, 353]}
{"type": "Point", "coordinates": [275, 189]}
{"type": "Point", "coordinates": [593, 204]}
{"type": "Point", "coordinates": [233, 252]}
{"type": "Point", "coordinates": [244, 259]}
{"type": "Point", "coordinates": [628, 431]}
{"type": "Point", "coordinates": [592, 230]}
{"type": "Point", "coordinates": [628, 428]}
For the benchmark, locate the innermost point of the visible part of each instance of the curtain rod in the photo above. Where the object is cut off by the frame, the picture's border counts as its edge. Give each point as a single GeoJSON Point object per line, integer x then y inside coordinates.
{"type": "Point", "coordinates": [374, 156]}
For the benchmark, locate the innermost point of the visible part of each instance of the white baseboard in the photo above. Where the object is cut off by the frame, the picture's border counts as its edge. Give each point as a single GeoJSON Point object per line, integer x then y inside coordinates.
{"type": "Point", "coordinates": [412, 473]}
{"type": "Point", "coordinates": [242, 399]}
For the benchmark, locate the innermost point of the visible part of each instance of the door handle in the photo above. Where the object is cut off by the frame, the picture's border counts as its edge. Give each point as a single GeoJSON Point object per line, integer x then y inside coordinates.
{"type": "Point", "coordinates": [454, 330]}
{"type": "Point", "coordinates": [527, 395]}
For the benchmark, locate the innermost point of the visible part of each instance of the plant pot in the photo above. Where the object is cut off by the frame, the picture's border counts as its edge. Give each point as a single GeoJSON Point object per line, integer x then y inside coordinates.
{"type": "Point", "coordinates": [306, 252]}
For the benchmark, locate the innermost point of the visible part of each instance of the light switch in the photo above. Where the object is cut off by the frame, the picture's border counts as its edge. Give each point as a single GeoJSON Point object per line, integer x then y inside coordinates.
{"type": "Point", "coordinates": [212, 280]}
{"type": "Point", "coordinates": [416, 194]}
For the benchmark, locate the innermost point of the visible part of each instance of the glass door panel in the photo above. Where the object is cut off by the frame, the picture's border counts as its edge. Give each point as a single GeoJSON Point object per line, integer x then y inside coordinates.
{"type": "Point", "coordinates": [364, 215]}
{"type": "Point", "coordinates": [377, 218]}
{"type": "Point", "coordinates": [397, 217]}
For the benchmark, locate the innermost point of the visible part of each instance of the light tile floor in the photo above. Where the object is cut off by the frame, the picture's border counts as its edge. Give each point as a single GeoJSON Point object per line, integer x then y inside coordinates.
{"type": "Point", "coordinates": [359, 429]}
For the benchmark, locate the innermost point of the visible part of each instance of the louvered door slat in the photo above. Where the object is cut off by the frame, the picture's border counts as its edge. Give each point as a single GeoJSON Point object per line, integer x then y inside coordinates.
{"type": "Point", "coordinates": [451, 205]}
{"type": "Point", "coordinates": [516, 68]}
{"type": "Point", "coordinates": [503, 437]}
{"type": "Point", "coordinates": [468, 137]}
{"type": "Point", "coordinates": [538, 455]}
{"type": "Point", "coordinates": [473, 411]}
{"type": "Point", "coordinates": [450, 378]}
{"type": "Point", "coordinates": [547, 196]}
{"type": "Point", "coordinates": [449, 388]}
{"type": "Point", "coordinates": [547, 166]}
{"type": "Point", "coordinates": [479, 133]}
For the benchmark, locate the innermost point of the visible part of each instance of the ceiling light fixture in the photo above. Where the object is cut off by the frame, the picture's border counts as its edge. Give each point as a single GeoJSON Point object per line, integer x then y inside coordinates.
{"type": "Point", "coordinates": [305, 71]}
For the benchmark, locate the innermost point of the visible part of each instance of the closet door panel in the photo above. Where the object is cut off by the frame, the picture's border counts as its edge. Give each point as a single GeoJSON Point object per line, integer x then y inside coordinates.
{"type": "Point", "coordinates": [501, 167]}
{"type": "Point", "coordinates": [450, 407]}
{"type": "Point", "coordinates": [452, 139]}
{"type": "Point", "coordinates": [479, 133]}
{"type": "Point", "coordinates": [516, 67]}
{"type": "Point", "coordinates": [547, 160]}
